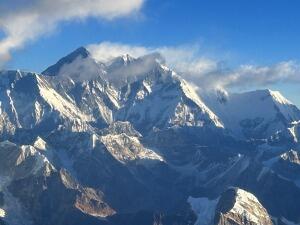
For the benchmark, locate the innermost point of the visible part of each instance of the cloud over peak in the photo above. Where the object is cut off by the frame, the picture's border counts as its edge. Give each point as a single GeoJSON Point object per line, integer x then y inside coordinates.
{"type": "Point", "coordinates": [205, 72]}
{"type": "Point", "coordinates": [25, 20]}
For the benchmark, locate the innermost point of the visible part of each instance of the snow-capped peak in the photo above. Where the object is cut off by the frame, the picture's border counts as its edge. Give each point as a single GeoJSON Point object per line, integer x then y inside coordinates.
{"type": "Point", "coordinates": [78, 66]}
{"type": "Point", "coordinates": [124, 70]}
{"type": "Point", "coordinates": [122, 60]}
{"type": "Point", "coordinates": [78, 53]}
{"type": "Point", "coordinates": [254, 114]}
{"type": "Point", "coordinates": [277, 96]}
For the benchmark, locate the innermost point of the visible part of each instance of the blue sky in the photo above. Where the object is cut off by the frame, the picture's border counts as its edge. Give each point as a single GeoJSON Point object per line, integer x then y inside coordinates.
{"type": "Point", "coordinates": [238, 32]}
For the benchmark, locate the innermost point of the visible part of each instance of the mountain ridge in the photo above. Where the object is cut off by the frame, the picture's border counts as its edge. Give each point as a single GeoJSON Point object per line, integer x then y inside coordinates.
{"type": "Point", "coordinates": [79, 146]}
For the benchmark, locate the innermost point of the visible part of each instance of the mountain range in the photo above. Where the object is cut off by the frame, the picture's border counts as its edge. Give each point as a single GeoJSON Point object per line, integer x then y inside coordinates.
{"type": "Point", "coordinates": [129, 142]}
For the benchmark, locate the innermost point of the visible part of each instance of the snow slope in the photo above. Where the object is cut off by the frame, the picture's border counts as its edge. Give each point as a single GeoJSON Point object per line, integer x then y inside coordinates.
{"type": "Point", "coordinates": [255, 114]}
{"type": "Point", "coordinates": [162, 99]}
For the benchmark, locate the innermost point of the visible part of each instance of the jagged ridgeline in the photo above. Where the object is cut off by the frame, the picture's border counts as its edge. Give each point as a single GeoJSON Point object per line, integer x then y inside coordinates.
{"type": "Point", "coordinates": [129, 142]}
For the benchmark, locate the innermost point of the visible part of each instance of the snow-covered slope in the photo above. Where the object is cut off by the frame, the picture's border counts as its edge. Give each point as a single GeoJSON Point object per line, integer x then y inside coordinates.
{"type": "Point", "coordinates": [27, 175]}
{"type": "Point", "coordinates": [29, 101]}
{"type": "Point", "coordinates": [16, 166]}
{"type": "Point", "coordinates": [162, 99]}
{"type": "Point", "coordinates": [93, 97]}
{"type": "Point", "coordinates": [255, 114]}
{"type": "Point", "coordinates": [205, 209]}
{"type": "Point", "coordinates": [19, 163]}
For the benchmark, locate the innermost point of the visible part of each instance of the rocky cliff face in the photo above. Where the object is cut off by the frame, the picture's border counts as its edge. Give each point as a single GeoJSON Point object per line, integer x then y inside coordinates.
{"type": "Point", "coordinates": [233, 207]}
{"type": "Point", "coordinates": [237, 206]}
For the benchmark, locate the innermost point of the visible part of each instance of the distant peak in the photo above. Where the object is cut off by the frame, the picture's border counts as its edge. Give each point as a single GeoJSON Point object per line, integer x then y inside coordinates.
{"type": "Point", "coordinates": [122, 60]}
{"type": "Point", "coordinates": [275, 95]}
{"type": "Point", "coordinates": [79, 52]}
{"type": "Point", "coordinates": [260, 92]}
{"type": "Point", "coordinates": [268, 94]}
{"type": "Point", "coordinates": [127, 58]}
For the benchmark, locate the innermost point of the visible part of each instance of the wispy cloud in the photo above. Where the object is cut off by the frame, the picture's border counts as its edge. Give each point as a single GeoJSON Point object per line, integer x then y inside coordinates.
{"type": "Point", "coordinates": [256, 75]}
{"type": "Point", "coordinates": [205, 72]}
{"type": "Point", "coordinates": [25, 20]}
{"type": "Point", "coordinates": [106, 51]}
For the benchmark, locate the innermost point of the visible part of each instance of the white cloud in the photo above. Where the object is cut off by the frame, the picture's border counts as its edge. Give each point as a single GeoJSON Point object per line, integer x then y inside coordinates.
{"type": "Point", "coordinates": [25, 20]}
{"type": "Point", "coordinates": [202, 71]}
{"type": "Point", "coordinates": [107, 50]}
{"type": "Point", "coordinates": [255, 76]}
{"type": "Point", "coordinates": [183, 58]}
